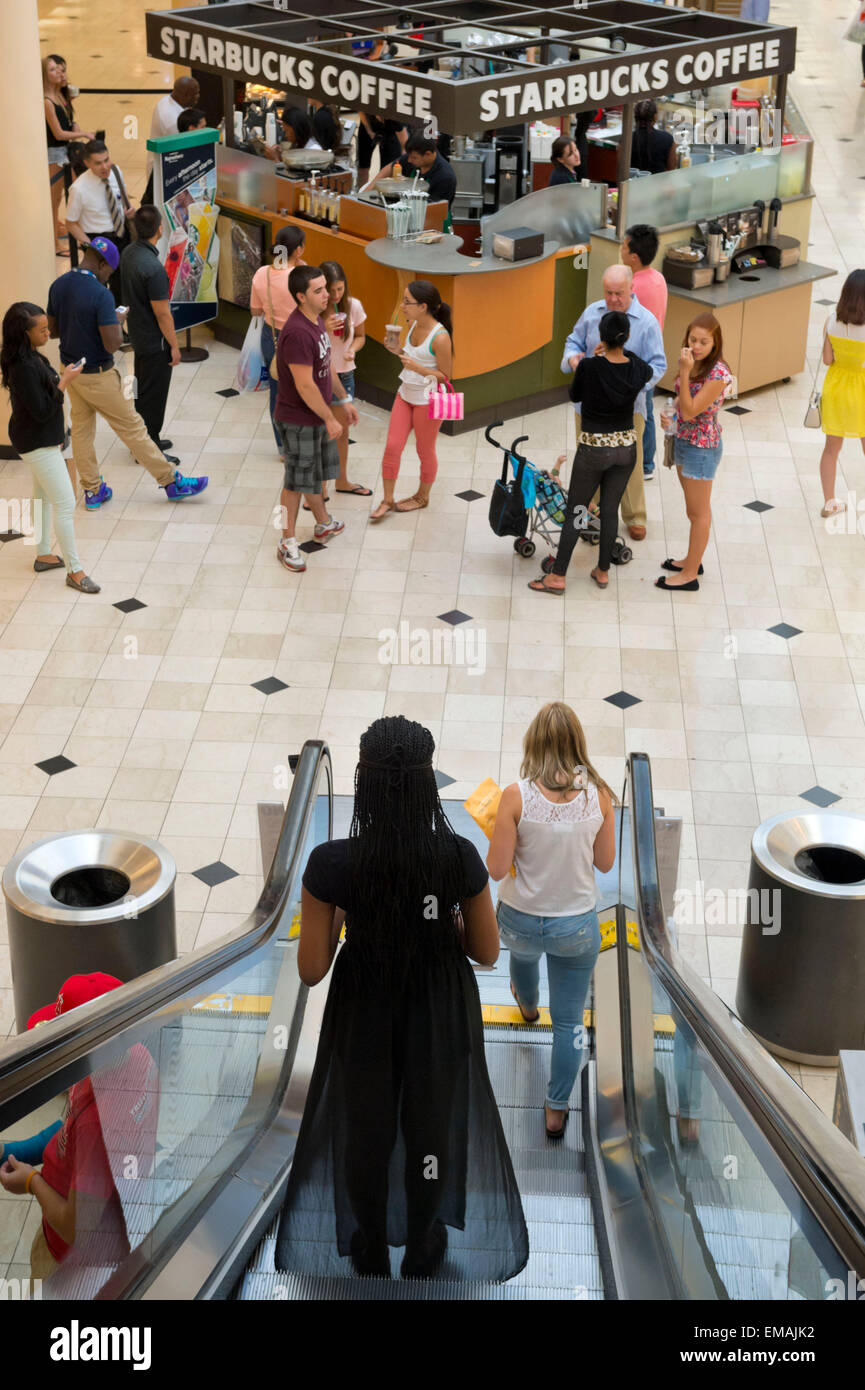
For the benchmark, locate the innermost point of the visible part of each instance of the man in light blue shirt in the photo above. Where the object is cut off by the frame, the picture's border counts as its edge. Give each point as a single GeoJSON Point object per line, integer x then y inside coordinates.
{"type": "Point", "coordinates": [645, 341]}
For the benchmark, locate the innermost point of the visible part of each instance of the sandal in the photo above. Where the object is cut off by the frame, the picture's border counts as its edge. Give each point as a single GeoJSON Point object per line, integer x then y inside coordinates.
{"type": "Point", "coordinates": [386, 506]}
{"type": "Point", "coordinates": [833, 507]}
{"type": "Point", "coordinates": [525, 1016]}
{"type": "Point", "coordinates": [419, 504]}
{"type": "Point", "coordinates": [540, 586]}
{"type": "Point", "coordinates": [593, 574]}
{"type": "Point", "coordinates": [356, 490]}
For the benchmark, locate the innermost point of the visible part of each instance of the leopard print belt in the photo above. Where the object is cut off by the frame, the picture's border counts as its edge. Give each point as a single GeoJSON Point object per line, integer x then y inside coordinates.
{"type": "Point", "coordinates": [618, 439]}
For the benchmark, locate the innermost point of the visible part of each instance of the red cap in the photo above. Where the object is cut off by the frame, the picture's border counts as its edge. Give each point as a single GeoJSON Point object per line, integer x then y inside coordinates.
{"type": "Point", "coordinates": [78, 989]}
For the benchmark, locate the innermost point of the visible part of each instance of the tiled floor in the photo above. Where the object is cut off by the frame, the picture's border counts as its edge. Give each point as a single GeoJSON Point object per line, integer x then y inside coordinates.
{"type": "Point", "coordinates": [158, 710]}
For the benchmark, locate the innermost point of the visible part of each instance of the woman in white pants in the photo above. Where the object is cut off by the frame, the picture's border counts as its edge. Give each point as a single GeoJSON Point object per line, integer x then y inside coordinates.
{"type": "Point", "coordinates": [36, 430]}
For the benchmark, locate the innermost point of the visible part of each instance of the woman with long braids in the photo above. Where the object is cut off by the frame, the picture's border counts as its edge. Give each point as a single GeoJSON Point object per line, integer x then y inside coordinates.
{"type": "Point", "coordinates": [401, 1142]}
{"type": "Point", "coordinates": [426, 356]}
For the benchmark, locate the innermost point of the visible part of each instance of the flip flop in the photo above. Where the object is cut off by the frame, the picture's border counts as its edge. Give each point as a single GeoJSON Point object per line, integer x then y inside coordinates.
{"type": "Point", "coordinates": [525, 1016]}
{"type": "Point", "coordinates": [357, 491]}
{"type": "Point", "coordinates": [540, 586]}
{"type": "Point", "coordinates": [593, 576]}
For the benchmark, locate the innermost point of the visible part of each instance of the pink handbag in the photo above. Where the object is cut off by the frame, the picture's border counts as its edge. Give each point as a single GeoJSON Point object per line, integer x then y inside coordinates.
{"type": "Point", "coordinates": [446, 403]}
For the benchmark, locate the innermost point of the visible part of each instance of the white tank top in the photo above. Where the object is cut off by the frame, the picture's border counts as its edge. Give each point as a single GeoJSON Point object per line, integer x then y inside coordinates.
{"type": "Point", "coordinates": [415, 383]}
{"type": "Point", "coordinates": [554, 854]}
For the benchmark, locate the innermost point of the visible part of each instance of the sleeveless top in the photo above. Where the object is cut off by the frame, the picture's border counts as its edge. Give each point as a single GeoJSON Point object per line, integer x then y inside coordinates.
{"type": "Point", "coordinates": [63, 121]}
{"type": "Point", "coordinates": [414, 383]}
{"type": "Point", "coordinates": [554, 855]}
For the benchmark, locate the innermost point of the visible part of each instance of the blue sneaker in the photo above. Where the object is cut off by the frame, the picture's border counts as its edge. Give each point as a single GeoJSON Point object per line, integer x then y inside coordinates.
{"type": "Point", "coordinates": [94, 500]}
{"type": "Point", "coordinates": [182, 487]}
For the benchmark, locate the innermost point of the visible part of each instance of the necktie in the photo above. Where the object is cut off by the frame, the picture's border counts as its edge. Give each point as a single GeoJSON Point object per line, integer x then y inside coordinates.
{"type": "Point", "coordinates": [114, 209]}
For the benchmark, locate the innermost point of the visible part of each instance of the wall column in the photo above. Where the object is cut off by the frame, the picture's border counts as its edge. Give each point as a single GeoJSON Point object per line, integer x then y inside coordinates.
{"type": "Point", "coordinates": [27, 264]}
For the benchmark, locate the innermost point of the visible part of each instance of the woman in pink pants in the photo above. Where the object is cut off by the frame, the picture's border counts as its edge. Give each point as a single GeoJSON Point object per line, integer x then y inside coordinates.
{"type": "Point", "coordinates": [426, 356]}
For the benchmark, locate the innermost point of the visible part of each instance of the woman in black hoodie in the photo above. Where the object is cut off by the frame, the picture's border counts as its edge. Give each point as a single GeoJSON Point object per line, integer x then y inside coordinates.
{"type": "Point", "coordinates": [607, 385]}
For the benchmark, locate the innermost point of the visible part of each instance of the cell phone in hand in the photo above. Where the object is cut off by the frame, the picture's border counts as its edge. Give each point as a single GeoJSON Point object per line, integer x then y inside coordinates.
{"type": "Point", "coordinates": [80, 363]}
{"type": "Point", "coordinates": [122, 309]}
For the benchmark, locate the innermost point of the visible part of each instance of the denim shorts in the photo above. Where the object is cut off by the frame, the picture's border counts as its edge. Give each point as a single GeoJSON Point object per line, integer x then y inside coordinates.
{"type": "Point", "coordinates": [696, 463]}
{"type": "Point", "coordinates": [347, 379]}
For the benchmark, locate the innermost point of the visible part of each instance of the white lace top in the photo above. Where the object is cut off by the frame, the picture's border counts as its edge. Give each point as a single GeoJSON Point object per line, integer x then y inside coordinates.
{"type": "Point", "coordinates": [554, 855]}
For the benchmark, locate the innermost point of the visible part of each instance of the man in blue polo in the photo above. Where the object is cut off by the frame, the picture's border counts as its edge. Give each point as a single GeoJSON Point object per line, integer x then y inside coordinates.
{"type": "Point", "coordinates": [81, 314]}
{"type": "Point", "coordinates": [645, 341]}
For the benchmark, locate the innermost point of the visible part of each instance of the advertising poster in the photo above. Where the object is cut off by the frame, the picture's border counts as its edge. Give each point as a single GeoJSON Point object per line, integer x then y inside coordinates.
{"type": "Point", "coordinates": [184, 190]}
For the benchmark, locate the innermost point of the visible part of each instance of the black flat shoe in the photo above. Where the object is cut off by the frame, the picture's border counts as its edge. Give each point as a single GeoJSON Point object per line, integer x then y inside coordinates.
{"type": "Point", "coordinates": [557, 1133]}
{"type": "Point", "coordinates": [676, 569]}
{"type": "Point", "coordinates": [689, 588]}
{"type": "Point", "coordinates": [166, 444]}
{"type": "Point", "coordinates": [41, 566]}
{"type": "Point", "coordinates": [424, 1260]}
{"type": "Point", "coordinates": [365, 1264]}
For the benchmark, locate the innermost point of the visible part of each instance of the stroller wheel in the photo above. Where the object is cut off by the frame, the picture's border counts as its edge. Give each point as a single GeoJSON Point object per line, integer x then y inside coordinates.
{"type": "Point", "coordinates": [547, 564]}
{"type": "Point", "coordinates": [621, 554]}
{"type": "Point", "coordinates": [525, 547]}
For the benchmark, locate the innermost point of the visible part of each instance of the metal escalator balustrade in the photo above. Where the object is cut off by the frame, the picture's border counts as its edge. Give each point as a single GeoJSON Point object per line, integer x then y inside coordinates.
{"type": "Point", "coordinates": [753, 1188]}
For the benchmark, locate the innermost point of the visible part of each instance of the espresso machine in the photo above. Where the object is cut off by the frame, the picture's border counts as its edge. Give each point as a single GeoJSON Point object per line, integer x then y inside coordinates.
{"type": "Point", "coordinates": [508, 170]}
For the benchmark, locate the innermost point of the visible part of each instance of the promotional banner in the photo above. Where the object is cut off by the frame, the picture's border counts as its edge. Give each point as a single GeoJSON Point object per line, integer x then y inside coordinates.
{"type": "Point", "coordinates": [184, 190]}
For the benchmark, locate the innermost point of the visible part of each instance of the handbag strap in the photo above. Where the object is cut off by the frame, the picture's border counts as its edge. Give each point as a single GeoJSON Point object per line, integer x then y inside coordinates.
{"type": "Point", "coordinates": [270, 305]}
{"type": "Point", "coordinates": [820, 362]}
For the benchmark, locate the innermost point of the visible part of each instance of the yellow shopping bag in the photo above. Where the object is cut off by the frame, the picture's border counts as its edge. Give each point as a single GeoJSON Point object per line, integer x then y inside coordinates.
{"type": "Point", "coordinates": [483, 806]}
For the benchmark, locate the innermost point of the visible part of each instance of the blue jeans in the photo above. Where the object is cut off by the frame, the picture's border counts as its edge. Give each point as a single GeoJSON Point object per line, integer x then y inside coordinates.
{"type": "Point", "coordinates": [649, 435]}
{"type": "Point", "coordinates": [571, 945]}
{"type": "Point", "coordinates": [268, 348]}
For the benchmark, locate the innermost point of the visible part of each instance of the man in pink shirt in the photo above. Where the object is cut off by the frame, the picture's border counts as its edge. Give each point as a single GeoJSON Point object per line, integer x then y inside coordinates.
{"type": "Point", "coordinates": [639, 249]}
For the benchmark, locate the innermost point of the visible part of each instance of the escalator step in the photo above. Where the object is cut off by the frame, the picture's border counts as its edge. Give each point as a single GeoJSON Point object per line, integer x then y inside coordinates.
{"type": "Point", "coordinates": [519, 1071]}
{"type": "Point", "coordinates": [292, 1287]}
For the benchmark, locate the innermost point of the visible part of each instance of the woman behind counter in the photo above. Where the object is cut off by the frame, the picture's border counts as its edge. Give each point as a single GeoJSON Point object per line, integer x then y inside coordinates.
{"type": "Point", "coordinates": [652, 150]}
{"type": "Point", "coordinates": [566, 160]}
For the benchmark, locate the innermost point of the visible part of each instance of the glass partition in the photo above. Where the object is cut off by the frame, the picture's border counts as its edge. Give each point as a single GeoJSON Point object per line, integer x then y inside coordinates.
{"type": "Point", "coordinates": [159, 1116]}
{"type": "Point", "coordinates": [706, 190]}
{"type": "Point", "coordinates": [567, 214]}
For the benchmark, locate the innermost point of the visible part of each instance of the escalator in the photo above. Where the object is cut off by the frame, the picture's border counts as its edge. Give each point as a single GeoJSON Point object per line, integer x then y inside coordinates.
{"type": "Point", "coordinates": [693, 1167]}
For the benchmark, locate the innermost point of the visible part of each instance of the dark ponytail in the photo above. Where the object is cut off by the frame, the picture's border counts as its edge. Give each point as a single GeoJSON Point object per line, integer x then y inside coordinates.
{"type": "Point", "coordinates": [18, 318]}
{"type": "Point", "coordinates": [614, 329]}
{"type": "Point", "coordinates": [424, 292]}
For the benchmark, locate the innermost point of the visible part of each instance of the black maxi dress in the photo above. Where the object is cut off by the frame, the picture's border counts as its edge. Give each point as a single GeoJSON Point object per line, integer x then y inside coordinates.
{"type": "Point", "coordinates": [401, 1127]}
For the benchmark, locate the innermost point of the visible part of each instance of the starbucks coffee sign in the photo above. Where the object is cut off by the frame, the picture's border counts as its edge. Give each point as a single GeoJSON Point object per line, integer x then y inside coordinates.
{"type": "Point", "coordinates": [462, 105]}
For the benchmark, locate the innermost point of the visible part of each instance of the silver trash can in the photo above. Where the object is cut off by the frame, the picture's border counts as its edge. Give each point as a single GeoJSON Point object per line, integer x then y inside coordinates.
{"type": "Point", "coordinates": [801, 986]}
{"type": "Point", "coordinates": [85, 901]}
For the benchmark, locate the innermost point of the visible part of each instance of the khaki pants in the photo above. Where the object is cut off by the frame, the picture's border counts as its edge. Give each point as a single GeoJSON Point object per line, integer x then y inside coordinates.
{"type": "Point", "coordinates": [633, 505]}
{"type": "Point", "coordinates": [101, 393]}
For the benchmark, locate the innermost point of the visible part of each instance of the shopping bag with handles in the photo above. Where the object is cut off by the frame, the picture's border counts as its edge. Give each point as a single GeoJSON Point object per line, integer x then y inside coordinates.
{"type": "Point", "coordinates": [445, 402]}
{"type": "Point", "coordinates": [483, 806]}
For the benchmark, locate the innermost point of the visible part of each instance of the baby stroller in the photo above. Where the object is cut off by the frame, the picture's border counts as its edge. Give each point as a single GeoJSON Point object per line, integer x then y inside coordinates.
{"type": "Point", "coordinates": [534, 504]}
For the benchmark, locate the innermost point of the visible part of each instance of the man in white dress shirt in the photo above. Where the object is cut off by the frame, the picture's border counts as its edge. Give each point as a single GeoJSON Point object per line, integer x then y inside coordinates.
{"type": "Point", "coordinates": [184, 93]}
{"type": "Point", "coordinates": [98, 204]}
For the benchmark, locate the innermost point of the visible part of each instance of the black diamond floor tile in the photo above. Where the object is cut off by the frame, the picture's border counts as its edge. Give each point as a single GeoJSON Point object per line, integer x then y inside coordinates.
{"type": "Point", "coordinates": [759, 506]}
{"type": "Point", "coordinates": [270, 685]}
{"type": "Point", "coordinates": [830, 301]}
{"type": "Point", "coordinates": [11, 535]}
{"type": "Point", "coordinates": [215, 873]}
{"type": "Point", "coordinates": [229, 391]}
{"type": "Point", "coordinates": [55, 765]}
{"type": "Point", "coordinates": [311, 546]}
{"type": "Point", "coordinates": [129, 605]}
{"type": "Point", "coordinates": [443, 780]}
{"type": "Point", "coordinates": [455, 617]}
{"type": "Point", "coordinates": [784, 630]}
{"type": "Point", "coordinates": [622, 700]}
{"type": "Point", "coordinates": [469, 495]}
{"type": "Point", "coordinates": [293, 760]}
{"type": "Point", "coordinates": [819, 796]}
{"type": "Point", "coordinates": [738, 410]}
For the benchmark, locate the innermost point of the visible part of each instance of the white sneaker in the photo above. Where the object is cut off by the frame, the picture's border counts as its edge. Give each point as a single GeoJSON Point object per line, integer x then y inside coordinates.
{"type": "Point", "coordinates": [325, 529]}
{"type": "Point", "coordinates": [288, 554]}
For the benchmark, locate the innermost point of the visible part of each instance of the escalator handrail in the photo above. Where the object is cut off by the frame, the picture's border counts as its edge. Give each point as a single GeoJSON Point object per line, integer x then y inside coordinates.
{"type": "Point", "coordinates": [31, 1057]}
{"type": "Point", "coordinates": [824, 1166]}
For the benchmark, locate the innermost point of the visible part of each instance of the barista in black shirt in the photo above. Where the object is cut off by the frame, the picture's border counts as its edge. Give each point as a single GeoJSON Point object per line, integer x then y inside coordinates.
{"type": "Point", "coordinates": [566, 162]}
{"type": "Point", "coordinates": [652, 150]}
{"type": "Point", "coordinates": [422, 153]}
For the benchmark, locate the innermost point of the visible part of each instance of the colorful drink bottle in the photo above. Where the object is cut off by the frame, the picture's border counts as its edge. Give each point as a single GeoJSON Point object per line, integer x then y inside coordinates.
{"type": "Point", "coordinates": [176, 248]}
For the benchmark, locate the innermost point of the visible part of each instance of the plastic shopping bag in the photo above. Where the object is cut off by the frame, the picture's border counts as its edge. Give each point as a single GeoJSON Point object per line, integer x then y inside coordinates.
{"type": "Point", "coordinates": [856, 31]}
{"type": "Point", "coordinates": [251, 371]}
{"type": "Point", "coordinates": [483, 805]}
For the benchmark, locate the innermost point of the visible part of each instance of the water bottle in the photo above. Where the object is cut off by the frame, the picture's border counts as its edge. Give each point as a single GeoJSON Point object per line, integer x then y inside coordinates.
{"type": "Point", "coordinates": [668, 419]}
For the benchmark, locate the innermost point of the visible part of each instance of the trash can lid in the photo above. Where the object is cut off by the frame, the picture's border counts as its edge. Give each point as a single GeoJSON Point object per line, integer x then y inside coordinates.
{"type": "Point", "coordinates": [817, 852]}
{"type": "Point", "coordinates": [89, 876]}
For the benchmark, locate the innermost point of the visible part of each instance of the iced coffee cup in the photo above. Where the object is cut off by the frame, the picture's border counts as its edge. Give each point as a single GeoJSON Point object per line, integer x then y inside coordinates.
{"type": "Point", "coordinates": [392, 335]}
{"type": "Point", "coordinates": [337, 325]}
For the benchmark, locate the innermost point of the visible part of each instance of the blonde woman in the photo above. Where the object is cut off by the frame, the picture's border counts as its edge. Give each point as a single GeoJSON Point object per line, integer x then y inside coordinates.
{"type": "Point", "coordinates": [556, 826]}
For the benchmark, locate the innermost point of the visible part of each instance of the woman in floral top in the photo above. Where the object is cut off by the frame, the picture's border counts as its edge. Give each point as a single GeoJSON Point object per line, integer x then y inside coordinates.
{"type": "Point", "coordinates": [704, 380]}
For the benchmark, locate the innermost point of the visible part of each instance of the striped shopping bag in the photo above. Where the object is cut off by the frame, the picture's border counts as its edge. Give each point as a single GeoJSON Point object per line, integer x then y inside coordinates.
{"type": "Point", "coordinates": [445, 402]}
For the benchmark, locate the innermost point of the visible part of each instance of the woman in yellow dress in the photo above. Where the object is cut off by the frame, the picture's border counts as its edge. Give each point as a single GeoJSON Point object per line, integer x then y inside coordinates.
{"type": "Point", "coordinates": [842, 402]}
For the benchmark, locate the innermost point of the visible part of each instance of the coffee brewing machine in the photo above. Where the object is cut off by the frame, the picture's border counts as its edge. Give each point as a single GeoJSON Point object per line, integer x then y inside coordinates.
{"type": "Point", "coordinates": [735, 241]}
